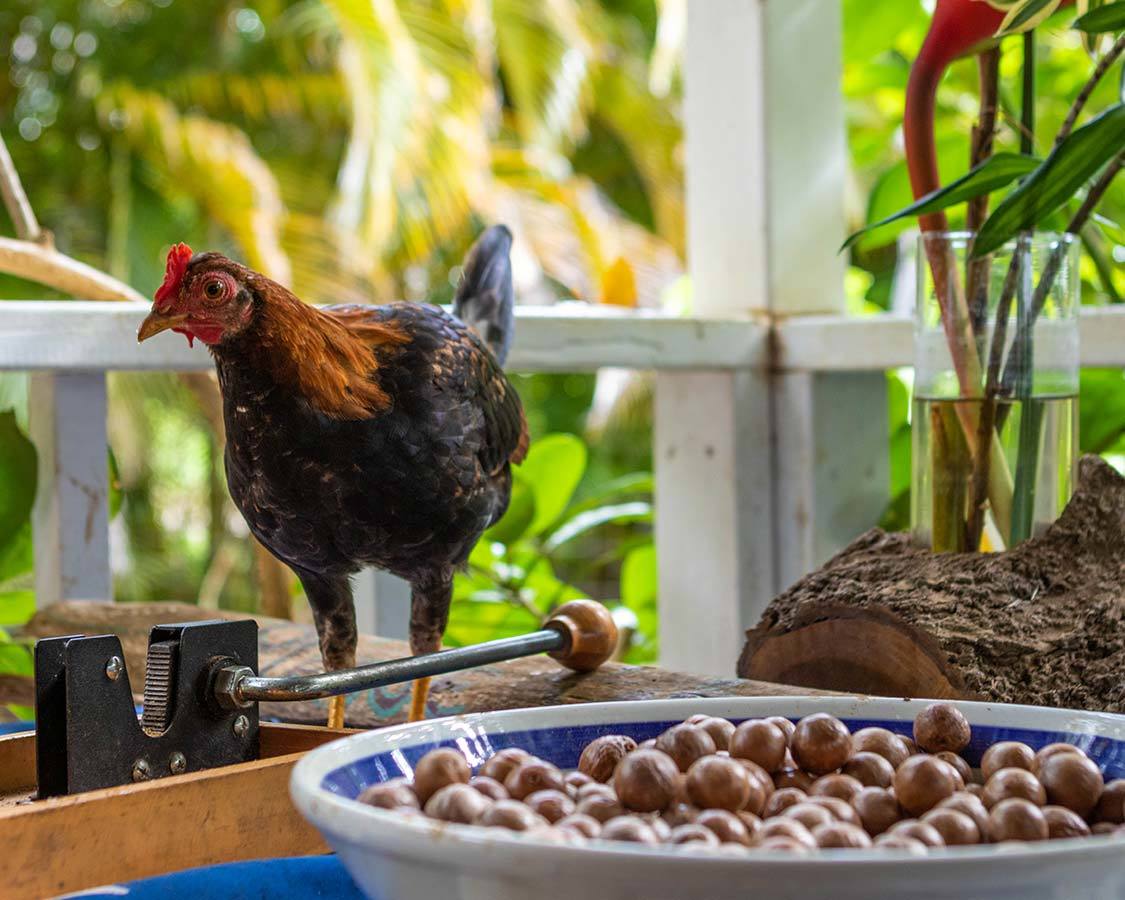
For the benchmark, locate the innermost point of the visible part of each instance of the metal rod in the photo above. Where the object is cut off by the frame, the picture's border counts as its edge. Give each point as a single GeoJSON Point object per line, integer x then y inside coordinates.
{"type": "Point", "coordinates": [239, 686]}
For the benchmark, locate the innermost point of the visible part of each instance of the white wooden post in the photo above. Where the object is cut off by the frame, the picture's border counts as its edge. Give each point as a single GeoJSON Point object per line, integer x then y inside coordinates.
{"type": "Point", "coordinates": [70, 522]}
{"type": "Point", "coordinates": [382, 604]}
{"type": "Point", "coordinates": [765, 174]}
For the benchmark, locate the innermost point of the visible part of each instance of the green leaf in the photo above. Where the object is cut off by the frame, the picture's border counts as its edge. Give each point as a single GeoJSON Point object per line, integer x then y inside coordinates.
{"type": "Point", "coordinates": [16, 607]}
{"type": "Point", "coordinates": [1028, 15]}
{"type": "Point", "coordinates": [115, 495]}
{"type": "Point", "coordinates": [994, 173]}
{"type": "Point", "coordinates": [15, 659]}
{"type": "Point", "coordinates": [892, 190]}
{"type": "Point", "coordinates": [17, 556]}
{"type": "Point", "coordinates": [1101, 409]}
{"type": "Point", "coordinates": [553, 468]}
{"type": "Point", "coordinates": [1055, 181]}
{"type": "Point", "coordinates": [575, 526]}
{"type": "Point", "coordinates": [18, 473]}
{"type": "Point", "coordinates": [638, 579]}
{"type": "Point", "coordinates": [521, 511]}
{"type": "Point", "coordinates": [1102, 19]}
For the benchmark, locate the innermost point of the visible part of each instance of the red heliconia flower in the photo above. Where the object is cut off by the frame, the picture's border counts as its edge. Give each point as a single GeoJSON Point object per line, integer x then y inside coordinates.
{"type": "Point", "coordinates": [958, 28]}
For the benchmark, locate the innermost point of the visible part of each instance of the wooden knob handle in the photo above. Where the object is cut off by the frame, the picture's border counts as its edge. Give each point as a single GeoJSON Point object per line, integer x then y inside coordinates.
{"type": "Point", "coordinates": [591, 633]}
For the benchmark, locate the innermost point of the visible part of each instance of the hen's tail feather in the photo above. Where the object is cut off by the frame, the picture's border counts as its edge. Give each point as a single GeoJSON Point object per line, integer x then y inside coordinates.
{"type": "Point", "coordinates": [485, 300]}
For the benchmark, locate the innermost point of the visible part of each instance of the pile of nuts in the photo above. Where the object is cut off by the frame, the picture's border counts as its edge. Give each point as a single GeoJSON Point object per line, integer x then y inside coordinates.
{"type": "Point", "coordinates": [771, 784]}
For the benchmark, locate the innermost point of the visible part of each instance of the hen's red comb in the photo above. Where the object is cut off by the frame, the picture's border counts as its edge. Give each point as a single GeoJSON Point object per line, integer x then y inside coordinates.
{"type": "Point", "coordinates": [178, 258]}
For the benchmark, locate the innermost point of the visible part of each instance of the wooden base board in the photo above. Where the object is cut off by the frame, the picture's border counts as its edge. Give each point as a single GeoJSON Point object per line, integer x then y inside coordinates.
{"type": "Point", "coordinates": [135, 831]}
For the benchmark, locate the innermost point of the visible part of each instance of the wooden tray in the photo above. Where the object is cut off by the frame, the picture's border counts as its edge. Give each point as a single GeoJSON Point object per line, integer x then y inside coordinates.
{"type": "Point", "coordinates": [64, 844]}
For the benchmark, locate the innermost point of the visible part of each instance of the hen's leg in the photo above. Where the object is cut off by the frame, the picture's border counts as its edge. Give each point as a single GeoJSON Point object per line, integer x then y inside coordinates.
{"type": "Point", "coordinates": [334, 614]}
{"type": "Point", "coordinates": [429, 612]}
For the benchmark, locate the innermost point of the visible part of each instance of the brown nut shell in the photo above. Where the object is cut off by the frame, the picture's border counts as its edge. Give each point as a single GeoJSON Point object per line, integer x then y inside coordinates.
{"type": "Point", "coordinates": [954, 826]}
{"type": "Point", "coordinates": [1064, 823]}
{"type": "Point", "coordinates": [760, 741]}
{"type": "Point", "coordinates": [600, 757]}
{"type": "Point", "coordinates": [839, 809]}
{"type": "Point", "coordinates": [393, 794]}
{"type": "Point", "coordinates": [691, 833]}
{"type": "Point", "coordinates": [788, 726]}
{"type": "Point", "coordinates": [792, 778]}
{"type": "Point", "coordinates": [970, 805]}
{"type": "Point", "coordinates": [685, 744]}
{"type": "Point", "coordinates": [490, 787]}
{"type": "Point", "coordinates": [552, 805]}
{"type": "Point", "coordinates": [457, 802]}
{"type": "Point", "coordinates": [922, 782]}
{"type": "Point", "coordinates": [629, 828]}
{"type": "Point", "coordinates": [877, 809]}
{"type": "Point", "coordinates": [728, 828]}
{"type": "Point", "coordinates": [1071, 780]}
{"type": "Point", "coordinates": [809, 814]}
{"type": "Point", "coordinates": [901, 842]}
{"type": "Point", "coordinates": [1111, 803]}
{"type": "Point", "coordinates": [1044, 753]}
{"type": "Point", "coordinates": [587, 826]}
{"type": "Point", "coordinates": [870, 769]}
{"type": "Point", "coordinates": [719, 728]}
{"type": "Point", "coordinates": [920, 831]}
{"type": "Point", "coordinates": [510, 814]}
{"type": "Point", "coordinates": [1008, 783]}
{"type": "Point", "coordinates": [840, 834]}
{"type": "Point", "coordinates": [533, 775]}
{"type": "Point", "coordinates": [645, 780]}
{"type": "Point", "coordinates": [942, 726]}
{"type": "Point", "coordinates": [781, 800]}
{"type": "Point", "coordinates": [821, 744]}
{"type": "Point", "coordinates": [1017, 819]}
{"type": "Point", "coordinates": [1006, 755]}
{"type": "Point", "coordinates": [791, 829]}
{"type": "Point", "coordinates": [715, 782]}
{"type": "Point", "coordinates": [958, 763]}
{"type": "Point", "coordinates": [437, 769]}
{"type": "Point", "coordinates": [502, 762]}
{"type": "Point", "coordinates": [601, 807]}
{"type": "Point", "coordinates": [842, 787]}
{"type": "Point", "coordinates": [885, 743]}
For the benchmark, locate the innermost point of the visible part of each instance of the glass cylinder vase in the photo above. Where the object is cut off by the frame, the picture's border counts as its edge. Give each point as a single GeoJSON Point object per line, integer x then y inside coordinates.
{"type": "Point", "coordinates": [995, 407]}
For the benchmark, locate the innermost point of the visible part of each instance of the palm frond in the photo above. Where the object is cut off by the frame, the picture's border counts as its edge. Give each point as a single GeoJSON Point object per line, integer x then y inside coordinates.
{"type": "Point", "coordinates": [214, 164]}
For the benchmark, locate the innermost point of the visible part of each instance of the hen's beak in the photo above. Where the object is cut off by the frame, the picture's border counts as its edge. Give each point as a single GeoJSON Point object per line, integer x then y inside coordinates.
{"type": "Point", "coordinates": [156, 322]}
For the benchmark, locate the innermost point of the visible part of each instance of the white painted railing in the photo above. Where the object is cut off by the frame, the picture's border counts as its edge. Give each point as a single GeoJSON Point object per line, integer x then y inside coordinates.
{"type": "Point", "coordinates": [770, 437]}
{"type": "Point", "coordinates": [821, 441]}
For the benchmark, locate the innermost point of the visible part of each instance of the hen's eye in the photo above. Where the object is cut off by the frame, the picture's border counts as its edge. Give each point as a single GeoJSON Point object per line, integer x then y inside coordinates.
{"type": "Point", "coordinates": [213, 290]}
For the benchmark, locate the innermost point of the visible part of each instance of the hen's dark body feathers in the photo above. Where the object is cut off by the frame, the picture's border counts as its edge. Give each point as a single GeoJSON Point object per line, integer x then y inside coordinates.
{"type": "Point", "coordinates": [407, 485]}
{"type": "Point", "coordinates": [409, 489]}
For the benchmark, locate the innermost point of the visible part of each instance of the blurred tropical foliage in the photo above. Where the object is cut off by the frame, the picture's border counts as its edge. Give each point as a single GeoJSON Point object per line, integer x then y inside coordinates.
{"type": "Point", "coordinates": [354, 148]}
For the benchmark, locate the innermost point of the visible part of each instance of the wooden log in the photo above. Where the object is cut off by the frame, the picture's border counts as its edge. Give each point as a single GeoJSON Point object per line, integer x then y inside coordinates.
{"type": "Point", "coordinates": [286, 648]}
{"type": "Point", "coordinates": [1040, 624]}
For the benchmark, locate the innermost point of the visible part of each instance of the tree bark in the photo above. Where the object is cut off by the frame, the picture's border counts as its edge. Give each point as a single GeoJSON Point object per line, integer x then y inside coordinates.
{"type": "Point", "coordinates": [1040, 624]}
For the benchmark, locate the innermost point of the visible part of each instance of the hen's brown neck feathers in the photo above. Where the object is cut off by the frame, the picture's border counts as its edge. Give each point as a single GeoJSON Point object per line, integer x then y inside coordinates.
{"type": "Point", "coordinates": [331, 361]}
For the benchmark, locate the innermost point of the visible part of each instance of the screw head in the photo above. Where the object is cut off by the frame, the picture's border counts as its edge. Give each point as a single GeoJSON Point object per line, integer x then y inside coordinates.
{"type": "Point", "coordinates": [114, 667]}
{"type": "Point", "coordinates": [177, 763]}
{"type": "Point", "coordinates": [241, 726]}
{"type": "Point", "coordinates": [141, 770]}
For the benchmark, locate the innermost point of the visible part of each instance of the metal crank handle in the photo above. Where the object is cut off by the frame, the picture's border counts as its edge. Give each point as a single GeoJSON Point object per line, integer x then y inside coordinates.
{"type": "Point", "coordinates": [581, 635]}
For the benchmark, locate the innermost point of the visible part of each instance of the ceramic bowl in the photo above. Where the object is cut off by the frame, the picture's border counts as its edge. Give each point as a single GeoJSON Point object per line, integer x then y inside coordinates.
{"type": "Point", "coordinates": [393, 857]}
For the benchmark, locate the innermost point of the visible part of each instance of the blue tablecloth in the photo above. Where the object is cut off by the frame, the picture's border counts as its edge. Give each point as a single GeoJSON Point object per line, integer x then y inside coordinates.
{"type": "Point", "coordinates": [299, 878]}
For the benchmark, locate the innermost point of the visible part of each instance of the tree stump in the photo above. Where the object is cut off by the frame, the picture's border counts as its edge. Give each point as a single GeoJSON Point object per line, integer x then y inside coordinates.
{"type": "Point", "coordinates": [1040, 624]}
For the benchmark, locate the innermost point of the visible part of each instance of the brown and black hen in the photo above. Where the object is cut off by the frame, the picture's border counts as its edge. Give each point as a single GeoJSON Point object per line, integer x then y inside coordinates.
{"type": "Point", "coordinates": [360, 435]}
